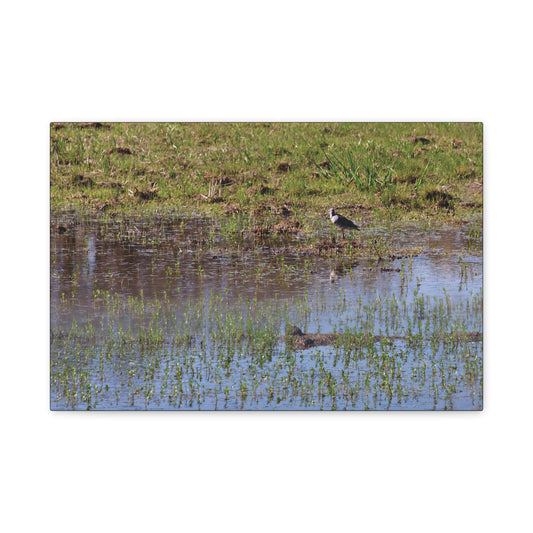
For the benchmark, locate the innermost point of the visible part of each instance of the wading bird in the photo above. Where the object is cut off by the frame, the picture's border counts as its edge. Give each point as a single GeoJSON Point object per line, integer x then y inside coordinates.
{"type": "Point", "coordinates": [342, 222]}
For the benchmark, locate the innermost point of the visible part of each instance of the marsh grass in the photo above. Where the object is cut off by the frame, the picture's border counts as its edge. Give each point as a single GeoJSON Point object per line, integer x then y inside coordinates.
{"type": "Point", "coordinates": [370, 170]}
{"type": "Point", "coordinates": [397, 352]}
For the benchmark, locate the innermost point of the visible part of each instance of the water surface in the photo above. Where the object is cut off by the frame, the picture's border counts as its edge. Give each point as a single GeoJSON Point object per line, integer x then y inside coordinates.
{"type": "Point", "coordinates": [182, 313]}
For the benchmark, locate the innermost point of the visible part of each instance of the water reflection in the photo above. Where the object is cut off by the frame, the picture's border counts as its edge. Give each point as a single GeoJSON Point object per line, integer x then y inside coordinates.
{"type": "Point", "coordinates": [181, 257]}
{"type": "Point", "coordinates": [192, 260]}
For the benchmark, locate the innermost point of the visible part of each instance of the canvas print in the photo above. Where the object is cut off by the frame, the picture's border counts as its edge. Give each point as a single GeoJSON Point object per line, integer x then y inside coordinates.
{"type": "Point", "coordinates": [266, 266]}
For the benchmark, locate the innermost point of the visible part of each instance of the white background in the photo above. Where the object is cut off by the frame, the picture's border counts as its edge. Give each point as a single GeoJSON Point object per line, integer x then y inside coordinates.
{"type": "Point", "coordinates": [281, 60]}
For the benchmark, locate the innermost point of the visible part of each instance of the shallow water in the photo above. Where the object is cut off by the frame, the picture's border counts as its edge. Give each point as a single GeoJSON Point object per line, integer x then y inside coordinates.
{"type": "Point", "coordinates": [173, 313]}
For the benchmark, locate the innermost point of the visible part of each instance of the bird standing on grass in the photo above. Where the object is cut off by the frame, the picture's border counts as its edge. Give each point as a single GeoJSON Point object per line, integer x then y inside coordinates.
{"type": "Point", "coordinates": [342, 222]}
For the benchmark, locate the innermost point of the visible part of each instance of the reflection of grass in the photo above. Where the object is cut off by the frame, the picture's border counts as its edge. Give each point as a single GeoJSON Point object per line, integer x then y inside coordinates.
{"type": "Point", "coordinates": [237, 232]}
{"type": "Point", "coordinates": [373, 170]}
{"type": "Point", "coordinates": [411, 351]}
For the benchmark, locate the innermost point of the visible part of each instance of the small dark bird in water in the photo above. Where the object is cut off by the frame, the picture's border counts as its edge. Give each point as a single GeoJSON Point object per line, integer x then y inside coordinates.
{"type": "Point", "coordinates": [295, 330]}
{"type": "Point", "coordinates": [342, 222]}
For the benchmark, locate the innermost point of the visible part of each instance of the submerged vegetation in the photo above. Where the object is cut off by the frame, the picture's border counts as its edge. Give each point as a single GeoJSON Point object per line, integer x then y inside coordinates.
{"type": "Point", "coordinates": [286, 171]}
{"type": "Point", "coordinates": [146, 319]}
{"type": "Point", "coordinates": [410, 352]}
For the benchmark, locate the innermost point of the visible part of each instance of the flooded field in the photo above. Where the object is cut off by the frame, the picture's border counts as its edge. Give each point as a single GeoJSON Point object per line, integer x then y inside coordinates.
{"type": "Point", "coordinates": [192, 313]}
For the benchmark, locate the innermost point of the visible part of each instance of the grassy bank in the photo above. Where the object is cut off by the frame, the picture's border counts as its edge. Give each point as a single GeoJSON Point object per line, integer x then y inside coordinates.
{"type": "Point", "coordinates": [283, 170]}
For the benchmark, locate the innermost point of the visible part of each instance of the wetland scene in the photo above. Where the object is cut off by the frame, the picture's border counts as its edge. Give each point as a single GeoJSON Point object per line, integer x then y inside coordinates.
{"type": "Point", "coordinates": [198, 266]}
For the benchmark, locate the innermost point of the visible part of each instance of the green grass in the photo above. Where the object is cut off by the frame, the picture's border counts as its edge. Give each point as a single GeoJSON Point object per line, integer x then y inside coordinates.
{"type": "Point", "coordinates": [368, 170]}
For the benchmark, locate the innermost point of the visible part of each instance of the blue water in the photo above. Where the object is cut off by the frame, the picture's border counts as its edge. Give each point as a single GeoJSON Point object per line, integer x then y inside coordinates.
{"type": "Point", "coordinates": [183, 266]}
